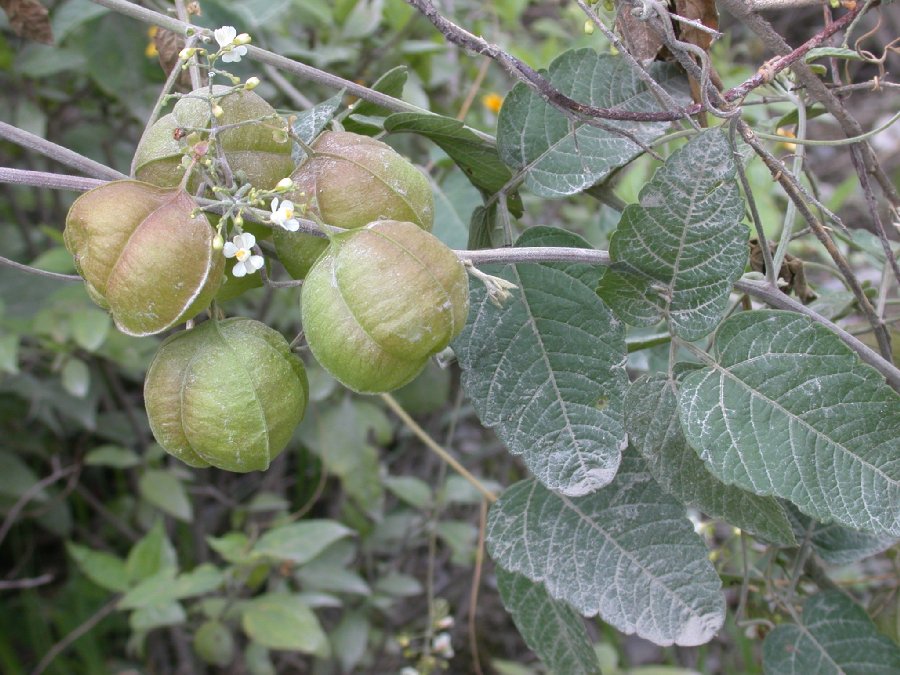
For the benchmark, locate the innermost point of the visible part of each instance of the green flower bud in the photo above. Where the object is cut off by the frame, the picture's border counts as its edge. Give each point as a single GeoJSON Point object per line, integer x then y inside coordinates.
{"type": "Point", "coordinates": [227, 394]}
{"type": "Point", "coordinates": [144, 254]}
{"type": "Point", "coordinates": [249, 148]}
{"type": "Point", "coordinates": [351, 181]}
{"type": "Point", "coordinates": [380, 301]}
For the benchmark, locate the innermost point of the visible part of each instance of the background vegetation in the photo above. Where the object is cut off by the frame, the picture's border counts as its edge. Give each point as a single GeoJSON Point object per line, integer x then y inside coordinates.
{"type": "Point", "coordinates": [379, 538]}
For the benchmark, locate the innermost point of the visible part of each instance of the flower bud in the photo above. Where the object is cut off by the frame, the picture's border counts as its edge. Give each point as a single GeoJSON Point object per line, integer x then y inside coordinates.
{"type": "Point", "coordinates": [243, 39]}
{"type": "Point", "coordinates": [187, 53]}
{"type": "Point", "coordinates": [349, 182]}
{"type": "Point", "coordinates": [284, 184]}
{"type": "Point", "coordinates": [217, 111]}
{"type": "Point", "coordinates": [249, 148]}
{"type": "Point", "coordinates": [144, 251]}
{"type": "Point", "coordinates": [251, 83]}
{"type": "Point", "coordinates": [380, 301]}
{"type": "Point", "coordinates": [226, 393]}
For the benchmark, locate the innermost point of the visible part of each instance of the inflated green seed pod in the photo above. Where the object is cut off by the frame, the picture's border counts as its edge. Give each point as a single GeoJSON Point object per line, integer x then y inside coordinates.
{"type": "Point", "coordinates": [380, 301]}
{"type": "Point", "coordinates": [349, 182]}
{"type": "Point", "coordinates": [144, 254]}
{"type": "Point", "coordinates": [226, 393]}
{"type": "Point", "coordinates": [261, 150]}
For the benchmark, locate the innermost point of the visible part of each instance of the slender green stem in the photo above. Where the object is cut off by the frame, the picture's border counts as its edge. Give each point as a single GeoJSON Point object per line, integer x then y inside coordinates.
{"type": "Point", "coordinates": [436, 448]}
{"type": "Point", "coordinates": [837, 141]}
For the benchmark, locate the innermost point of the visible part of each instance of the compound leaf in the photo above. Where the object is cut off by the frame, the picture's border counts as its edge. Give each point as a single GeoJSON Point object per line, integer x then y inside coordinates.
{"type": "Point", "coordinates": [546, 370]}
{"type": "Point", "coordinates": [626, 552]}
{"type": "Point", "coordinates": [677, 253]}
{"type": "Point", "coordinates": [789, 410]}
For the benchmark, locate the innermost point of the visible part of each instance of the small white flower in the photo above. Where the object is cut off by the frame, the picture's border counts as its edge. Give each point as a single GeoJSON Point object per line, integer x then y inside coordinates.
{"type": "Point", "coordinates": [240, 247]}
{"type": "Point", "coordinates": [441, 645]}
{"type": "Point", "coordinates": [283, 215]}
{"type": "Point", "coordinates": [225, 35]}
{"type": "Point", "coordinates": [234, 55]}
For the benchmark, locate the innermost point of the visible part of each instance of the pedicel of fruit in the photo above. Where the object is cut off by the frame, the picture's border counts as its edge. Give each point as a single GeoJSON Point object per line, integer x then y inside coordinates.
{"type": "Point", "coordinates": [380, 301]}
{"type": "Point", "coordinates": [145, 253]}
{"type": "Point", "coordinates": [226, 393]}
{"type": "Point", "coordinates": [349, 182]}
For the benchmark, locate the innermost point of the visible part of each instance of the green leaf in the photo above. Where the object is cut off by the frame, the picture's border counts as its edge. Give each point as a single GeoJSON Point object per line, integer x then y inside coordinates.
{"type": "Point", "coordinates": [832, 53]}
{"type": "Point", "coordinates": [391, 83]}
{"type": "Point", "coordinates": [651, 419]}
{"type": "Point", "coordinates": [309, 123]}
{"type": "Point", "coordinates": [16, 477]}
{"type": "Point", "coordinates": [838, 545]}
{"type": "Point", "coordinates": [411, 490]}
{"type": "Point", "coordinates": [559, 156]}
{"type": "Point", "coordinates": [482, 226]}
{"type": "Point", "coordinates": [546, 370]}
{"type": "Point", "coordinates": [151, 554]}
{"type": "Point", "coordinates": [281, 621]}
{"type": "Point", "coordinates": [475, 156]}
{"type": "Point", "coordinates": [90, 328]}
{"type": "Point", "coordinates": [626, 552]}
{"type": "Point", "coordinates": [339, 435]}
{"type": "Point", "coordinates": [550, 628]}
{"type": "Point", "coordinates": [146, 619]}
{"type": "Point", "coordinates": [164, 587]}
{"type": "Point", "coordinates": [789, 410]}
{"type": "Point", "coordinates": [104, 569]}
{"type": "Point", "coordinates": [164, 491]}
{"type": "Point", "coordinates": [72, 14]}
{"type": "Point", "coordinates": [300, 542]}
{"type": "Point", "coordinates": [834, 637]}
{"type": "Point", "coordinates": [9, 353]}
{"type": "Point", "coordinates": [677, 253]}
{"type": "Point", "coordinates": [76, 377]}
{"type": "Point", "coordinates": [349, 640]}
{"type": "Point", "coordinates": [113, 456]}
{"type": "Point", "coordinates": [454, 200]}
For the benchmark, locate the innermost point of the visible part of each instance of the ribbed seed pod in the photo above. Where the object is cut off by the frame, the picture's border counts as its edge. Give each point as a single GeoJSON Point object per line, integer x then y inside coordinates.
{"type": "Point", "coordinates": [227, 394]}
{"type": "Point", "coordinates": [380, 301]}
{"type": "Point", "coordinates": [143, 254]}
{"type": "Point", "coordinates": [351, 181]}
{"type": "Point", "coordinates": [260, 150]}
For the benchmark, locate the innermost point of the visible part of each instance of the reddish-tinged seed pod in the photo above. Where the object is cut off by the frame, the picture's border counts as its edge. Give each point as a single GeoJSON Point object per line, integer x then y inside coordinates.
{"type": "Point", "coordinates": [349, 182]}
{"type": "Point", "coordinates": [145, 254]}
{"type": "Point", "coordinates": [380, 301]}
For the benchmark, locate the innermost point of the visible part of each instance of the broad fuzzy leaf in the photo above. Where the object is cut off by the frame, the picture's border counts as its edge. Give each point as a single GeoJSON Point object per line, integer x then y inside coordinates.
{"type": "Point", "coordinates": [309, 123]}
{"type": "Point", "coordinates": [651, 419]}
{"type": "Point", "coordinates": [559, 156]}
{"type": "Point", "coordinates": [551, 628]}
{"type": "Point", "coordinates": [838, 545]}
{"type": "Point", "coordinates": [678, 251]}
{"type": "Point", "coordinates": [627, 553]}
{"type": "Point", "coordinates": [789, 410]}
{"type": "Point", "coordinates": [546, 370]}
{"type": "Point", "coordinates": [834, 637]}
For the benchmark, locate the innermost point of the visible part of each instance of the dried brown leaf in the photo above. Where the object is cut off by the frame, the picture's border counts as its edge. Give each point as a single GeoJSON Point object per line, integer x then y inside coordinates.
{"type": "Point", "coordinates": [703, 11]}
{"type": "Point", "coordinates": [642, 42]}
{"type": "Point", "coordinates": [28, 19]}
